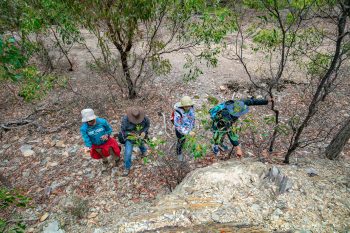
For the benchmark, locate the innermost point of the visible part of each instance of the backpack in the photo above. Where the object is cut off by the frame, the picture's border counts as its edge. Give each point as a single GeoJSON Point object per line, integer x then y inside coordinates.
{"type": "Point", "coordinates": [172, 117]}
{"type": "Point", "coordinates": [234, 109]}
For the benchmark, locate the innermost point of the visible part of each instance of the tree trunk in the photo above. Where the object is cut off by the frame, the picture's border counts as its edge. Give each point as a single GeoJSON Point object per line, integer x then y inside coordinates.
{"type": "Point", "coordinates": [126, 71]}
{"type": "Point", "coordinates": [316, 97]}
{"type": "Point", "coordinates": [337, 144]}
{"type": "Point", "coordinates": [274, 135]}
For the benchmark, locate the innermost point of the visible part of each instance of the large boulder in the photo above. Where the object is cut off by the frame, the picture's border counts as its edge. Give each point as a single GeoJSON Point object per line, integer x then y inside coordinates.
{"type": "Point", "coordinates": [251, 194]}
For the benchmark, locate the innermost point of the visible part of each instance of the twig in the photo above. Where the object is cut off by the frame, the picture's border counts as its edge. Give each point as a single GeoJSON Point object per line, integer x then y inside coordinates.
{"type": "Point", "coordinates": [165, 128]}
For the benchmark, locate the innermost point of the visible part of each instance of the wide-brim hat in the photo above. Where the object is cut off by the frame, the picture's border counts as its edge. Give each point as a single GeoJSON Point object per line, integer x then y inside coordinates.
{"type": "Point", "coordinates": [88, 115]}
{"type": "Point", "coordinates": [186, 101]}
{"type": "Point", "coordinates": [135, 115]}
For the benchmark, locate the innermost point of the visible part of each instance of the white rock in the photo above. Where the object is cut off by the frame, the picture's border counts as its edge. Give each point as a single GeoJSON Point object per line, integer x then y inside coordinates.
{"type": "Point", "coordinates": [53, 227]}
{"type": "Point", "coordinates": [27, 150]}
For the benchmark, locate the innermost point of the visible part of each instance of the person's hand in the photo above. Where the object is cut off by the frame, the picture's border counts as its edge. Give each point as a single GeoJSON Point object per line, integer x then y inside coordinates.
{"type": "Point", "coordinates": [239, 152]}
{"type": "Point", "coordinates": [143, 135]}
{"type": "Point", "coordinates": [86, 150]}
{"type": "Point", "coordinates": [192, 134]}
{"type": "Point", "coordinates": [104, 137]}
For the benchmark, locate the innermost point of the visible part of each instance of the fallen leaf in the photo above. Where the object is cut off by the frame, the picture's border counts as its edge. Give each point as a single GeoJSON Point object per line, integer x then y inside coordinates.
{"type": "Point", "coordinates": [44, 217]}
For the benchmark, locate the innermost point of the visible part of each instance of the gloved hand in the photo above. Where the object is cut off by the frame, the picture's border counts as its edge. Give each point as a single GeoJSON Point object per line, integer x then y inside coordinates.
{"type": "Point", "coordinates": [143, 135]}
{"type": "Point", "coordinates": [192, 134]}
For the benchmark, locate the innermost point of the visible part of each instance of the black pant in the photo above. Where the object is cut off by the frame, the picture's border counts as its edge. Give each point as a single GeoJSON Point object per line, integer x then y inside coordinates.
{"type": "Point", "coordinates": [180, 142]}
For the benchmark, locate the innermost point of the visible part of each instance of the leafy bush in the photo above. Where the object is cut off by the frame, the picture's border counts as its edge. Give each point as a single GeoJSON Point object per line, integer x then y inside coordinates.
{"type": "Point", "coordinates": [10, 199]}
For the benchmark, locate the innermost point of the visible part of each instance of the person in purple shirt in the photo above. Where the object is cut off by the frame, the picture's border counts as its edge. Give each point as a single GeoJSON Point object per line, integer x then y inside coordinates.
{"type": "Point", "coordinates": [184, 122]}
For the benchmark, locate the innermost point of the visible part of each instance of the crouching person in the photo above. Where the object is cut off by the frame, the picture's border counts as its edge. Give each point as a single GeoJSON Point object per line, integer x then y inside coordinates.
{"type": "Point", "coordinates": [96, 135]}
{"type": "Point", "coordinates": [134, 127]}
{"type": "Point", "coordinates": [224, 116]}
{"type": "Point", "coordinates": [184, 122]}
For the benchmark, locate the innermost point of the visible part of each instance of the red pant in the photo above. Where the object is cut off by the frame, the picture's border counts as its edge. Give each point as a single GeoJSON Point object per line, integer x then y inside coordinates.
{"type": "Point", "coordinates": [111, 143]}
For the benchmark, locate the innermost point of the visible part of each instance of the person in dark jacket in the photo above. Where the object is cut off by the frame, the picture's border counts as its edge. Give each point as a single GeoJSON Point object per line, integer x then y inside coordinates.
{"type": "Point", "coordinates": [134, 128]}
{"type": "Point", "coordinates": [224, 115]}
{"type": "Point", "coordinates": [96, 136]}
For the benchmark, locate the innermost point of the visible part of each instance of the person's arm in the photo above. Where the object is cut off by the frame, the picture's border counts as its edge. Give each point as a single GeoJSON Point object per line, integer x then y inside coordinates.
{"type": "Point", "coordinates": [86, 137]}
{"type": "Point", "coordinates": [252, 101]}
{"type": "Point", "coordinates": [193, 123]}
{"type": "Point", "coordinates": [146, 125]}
{"type": "Point", "coordinates": [124, 124]}
{"type": "Point", "coordinates": [107, 127]}
{"type": "Point", "coordinates": [177, 123]}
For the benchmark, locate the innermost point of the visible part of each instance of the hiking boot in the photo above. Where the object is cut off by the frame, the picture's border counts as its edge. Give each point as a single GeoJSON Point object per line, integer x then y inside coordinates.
{"type": "Point", "coordinates": [216, 149]}
{"type": "Point", "coordinates": [116, 161]}
{"type": "Point", "coordinates": [105, 161]}
{"type": "Point", "coordinates": [126, 172]}
{"type": "Point", "coordinates": [180, 157]}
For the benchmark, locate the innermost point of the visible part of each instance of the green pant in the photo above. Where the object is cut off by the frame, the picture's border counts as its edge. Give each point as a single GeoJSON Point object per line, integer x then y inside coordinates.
{"type": "Point", "coordinates": [219, 135]}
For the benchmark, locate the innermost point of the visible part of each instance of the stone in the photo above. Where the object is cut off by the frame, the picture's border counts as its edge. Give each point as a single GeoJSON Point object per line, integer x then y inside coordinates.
{"type": "Point", "coordinates": [223, 88]}
{"type": "Point", "coordinates": [256, 207]}
{"type": "Point", "coordinates": [26, 173]}
{"type": "Point", "coordinates": [93, 214]}
{"type": "Point", "coordinates": [53, 227]}
{"type": "Point", "coordinates": [6, 146]}
{"type": "Point", "coordinates": [99, 230]}
{"type": "Point", "coordinates": [60, 144]}
{"type": "Point", "coordinates": [30, 230]}
{"type": "Point", "coordinates": [52, 164]}
{"type": "Point", "coordinates": [311, 172]}
{"type": "Point", "coordinates": [73, 150]}
{"type": "Point", "coordinates": [27, 150]}
{"type": "Point", "coordinates": [285, 185]}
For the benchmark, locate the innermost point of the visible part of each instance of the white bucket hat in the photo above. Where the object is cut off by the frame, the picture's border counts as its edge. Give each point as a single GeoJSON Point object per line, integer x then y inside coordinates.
{"type": "Point", "coordinates": [88, 115]}
{"type": "Point", "coordinates": [185, 102]}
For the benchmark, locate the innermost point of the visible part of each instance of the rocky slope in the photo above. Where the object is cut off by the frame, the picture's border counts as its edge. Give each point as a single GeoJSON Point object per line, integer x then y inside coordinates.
{"type": "Point", "coordinates": [236, 195]}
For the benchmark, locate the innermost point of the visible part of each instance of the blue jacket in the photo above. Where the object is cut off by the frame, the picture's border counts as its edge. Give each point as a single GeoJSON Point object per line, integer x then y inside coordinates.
{"type": "Point", "coordinates": [92, 134]}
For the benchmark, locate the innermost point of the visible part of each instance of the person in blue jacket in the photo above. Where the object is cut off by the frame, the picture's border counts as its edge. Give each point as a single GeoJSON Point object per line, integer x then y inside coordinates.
{"type": "Point", "coordinates": [224, 115]}
{"type": "Point", "coordinates": [96, 133]}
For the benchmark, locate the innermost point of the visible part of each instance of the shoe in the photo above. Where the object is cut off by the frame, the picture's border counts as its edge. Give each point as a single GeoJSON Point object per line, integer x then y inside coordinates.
{"type": "Point", "coordinates": [116, 161]}
{"type": "Point", "coordinates": [143, 155]}
{"type": "Point", "coordinates": [126, 172]}
{"type": "Point", "coordinates": [223, 147]}
{"type": "Point", "coordinates": [180, 157]}
{"type": "Point", "coordinates": [216, 149]}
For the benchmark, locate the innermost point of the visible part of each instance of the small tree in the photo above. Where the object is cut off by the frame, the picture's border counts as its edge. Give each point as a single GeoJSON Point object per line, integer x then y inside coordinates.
{"type": "Point", "coordinates": [143, 31]}
{"type": "Point", "coordinates": [275, 35]}
{"type": "Point", "coordinates": [339, 12]}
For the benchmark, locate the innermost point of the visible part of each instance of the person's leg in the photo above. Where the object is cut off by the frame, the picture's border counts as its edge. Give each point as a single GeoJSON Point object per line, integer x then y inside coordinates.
{"type": "Point", "coordinates": [115, 158]}
{"type": "Point", "coordinates": [179, 145]}
{"type": "Point", "coordinates": [104, 159]}
{"type": "Point", "coordinates": [218, 138]}
{"type": "Point", "coordinates": [235, 143]}
{"type": "Point", "coordinates": [127, 155]}
{"type": "Point", "coordinates": [143, 149]}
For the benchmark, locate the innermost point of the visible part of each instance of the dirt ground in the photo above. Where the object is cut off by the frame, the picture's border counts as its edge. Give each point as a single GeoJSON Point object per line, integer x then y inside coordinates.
{"type": "Point", "coordinates": [58, 172]}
